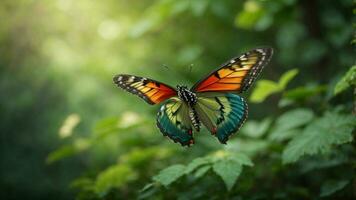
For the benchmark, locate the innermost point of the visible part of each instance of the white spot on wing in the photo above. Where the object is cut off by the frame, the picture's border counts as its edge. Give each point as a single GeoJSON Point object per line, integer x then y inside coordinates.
{"type": "Point", "coordinates": [260, 50]}
{"type": "Point", "coordinates": [131, 79]}
{"type": "Point", "coordinates": [243, 57]}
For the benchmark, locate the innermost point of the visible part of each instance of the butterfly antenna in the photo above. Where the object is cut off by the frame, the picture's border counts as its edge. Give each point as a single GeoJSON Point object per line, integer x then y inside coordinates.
{"type": "Point", "coordinates": [190, 68]}
{"type": "Point", "coordinates": [166, 67]}
{"type": "Point", "coordinates": [177, 73]}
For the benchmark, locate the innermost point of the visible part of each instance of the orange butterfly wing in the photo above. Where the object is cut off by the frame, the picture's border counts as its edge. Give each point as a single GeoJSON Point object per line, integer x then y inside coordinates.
{"type": "Point", "coordinates": [151, 91]}
{"type": "Point", "coordinates": [238, 74]}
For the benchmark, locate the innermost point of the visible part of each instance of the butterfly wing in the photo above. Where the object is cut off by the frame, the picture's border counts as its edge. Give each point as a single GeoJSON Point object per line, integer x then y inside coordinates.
{"type": "Point", "coordinates": [222, 113]}
{"type": "Point", "coordinates": [238, 74]}
{"type": "Point", "coordinates": [173, 121]}
{"type": "Point", "coordinates": [151, 91]}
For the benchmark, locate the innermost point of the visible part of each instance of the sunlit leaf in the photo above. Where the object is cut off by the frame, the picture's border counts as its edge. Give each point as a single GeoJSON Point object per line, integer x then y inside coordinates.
{"type": "Point", "coordinates": [241, 158]}
{"type": "Point", "coordinates": [83, 183]}
{"type": "Point", "coordinates": [147, 186]}
{"type": "Point", "coordinates": [79, 145]}
{"type": "Point", "coordinates": [63, 152]}
{"type": "Point", "coordinates": [348, 80]}
{"type": "Point", "coordinates": [196, 163]}
{"type": "Point", "coordinates": [264, 88]}
{"type": "Point", "coordinates": [320, 136]}
{"type": "Point", "coordinates": [170, 174]}
{"type": "Point", "coordinates": [147, 191]}
{"type": "Point", "coordinates": [304, 92]}
{"type": "Point", "coordinates": [286, 78]}
{"type": "Point", "coordinates": [201, 171]}
{"type": "Point", "coordinates": [228, 170]}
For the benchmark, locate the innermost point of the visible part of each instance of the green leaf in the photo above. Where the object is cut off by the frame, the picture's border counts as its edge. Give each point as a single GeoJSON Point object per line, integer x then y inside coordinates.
{"type": "Point", "coordinates": [304, 92]}
{"type": "Point", "coordinates": [201, 171]}
{"type": "Point", "coordinates": [287, 123]}
{"type": "Point", "coordinates": [82, 183]}
{"type": "Point", "coordinates": [347, 81]}
{"type": "Point", "coordinates": [319, 136]}
{"type": "Point", "coordinates": [147, 191]}
{"type": "Point", "coordinates": [228, 170]}
{"type": "Point", "coordinates": [241, 158]}
{"type": "Point", "coordinates": [113, 177]}
{"type": "Point", "coordinates": [63, 152]}
{"type": "Point", "coordinates": [196, 163]}
{"type": "Point", "coordinates": [286, 78]}
{"type": "Point", "coordinates": [284, 102]}
{"type": "Point", "coordinates": [332, 186]}
{"type": "Point", "coordinates": [170, 174]}
{"type": "Point", "coordinates": [264, 88]}
{"type": "Point", "coordinates": [147, 186]}
{"type": "Point", "coordinates": [294, 118]}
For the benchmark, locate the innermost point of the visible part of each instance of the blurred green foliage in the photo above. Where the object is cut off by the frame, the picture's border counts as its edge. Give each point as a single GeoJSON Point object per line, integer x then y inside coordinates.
{"type": "Point", "coordinates": [67, 132]}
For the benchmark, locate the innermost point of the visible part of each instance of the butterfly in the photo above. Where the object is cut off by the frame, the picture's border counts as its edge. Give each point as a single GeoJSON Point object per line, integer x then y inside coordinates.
{"type": "Point", "coordinates": [213, 101]}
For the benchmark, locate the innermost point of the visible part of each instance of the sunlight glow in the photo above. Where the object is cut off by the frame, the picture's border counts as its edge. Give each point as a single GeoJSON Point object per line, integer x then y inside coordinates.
{"type": "Point", "coordinates": [128, 119]}
{"type": "Point", "coordinates": [109, 29]}
{"type": "Point", "coordinates": [69, 124]}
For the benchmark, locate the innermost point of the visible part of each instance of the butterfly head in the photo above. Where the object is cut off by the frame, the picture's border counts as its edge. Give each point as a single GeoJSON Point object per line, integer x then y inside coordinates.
{"type": "Point", "coordinates": [182, 87]}
{"type": "Point", "coordinates": [186, 95]}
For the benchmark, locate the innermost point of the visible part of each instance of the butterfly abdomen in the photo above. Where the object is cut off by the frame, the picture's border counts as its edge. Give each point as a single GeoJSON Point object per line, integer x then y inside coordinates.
{"type": "Point", "coordinates": [194, 118]}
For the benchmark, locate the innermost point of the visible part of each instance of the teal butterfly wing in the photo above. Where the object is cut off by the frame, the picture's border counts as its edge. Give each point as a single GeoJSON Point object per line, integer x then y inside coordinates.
{"type": "Point", "coordinates": [222, 113]}
{"type": "Point", "coordinates": [173, 121]}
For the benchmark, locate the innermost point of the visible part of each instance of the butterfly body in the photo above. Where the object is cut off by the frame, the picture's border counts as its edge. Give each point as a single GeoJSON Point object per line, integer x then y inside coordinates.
{"type": "Point", "coordinates": [186, 95]}
{"type": "Point", "coordinates": [212, 101]}
{"type": "Point", "coordinates": [190, 99]}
